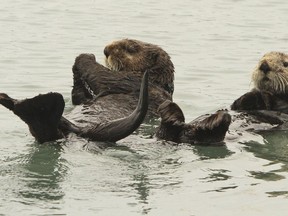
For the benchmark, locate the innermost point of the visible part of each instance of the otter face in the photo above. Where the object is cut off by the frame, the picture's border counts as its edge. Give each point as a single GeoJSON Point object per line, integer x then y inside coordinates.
{"type": "Point", "coordinates": [129, 55]}
{"type": "Point", "coordinates": [271, 73]}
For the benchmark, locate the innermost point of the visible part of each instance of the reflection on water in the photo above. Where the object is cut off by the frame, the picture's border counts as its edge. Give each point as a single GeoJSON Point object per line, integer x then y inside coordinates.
{"type": "Point", "coordinates": [212, 152]}
{"type": "Point", "coordinates": [267, 176]}
{"type": "Point", "coordinates": [224, 189]}
{"type": "Point", "coordinates": [275, 147]}
{"type": "Point", "coordinates": [33, 178]}
{"type": "Point", "coordinates": [141, 185]}
{"type": "Point", "coordinates": [217, 175]}
{"type": "Point", "coordinates": [278, 193]}
{"type": "Point", "coordinates": [43, 172]}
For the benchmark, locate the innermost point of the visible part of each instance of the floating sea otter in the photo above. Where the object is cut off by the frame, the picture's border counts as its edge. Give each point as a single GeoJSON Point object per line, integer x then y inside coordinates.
{"type": "Point", "coordinates": [103, 95]}
{"type": "Point", "coordinates": [268, 101]}
{"type": "Point", "coordinates": [127, 60]}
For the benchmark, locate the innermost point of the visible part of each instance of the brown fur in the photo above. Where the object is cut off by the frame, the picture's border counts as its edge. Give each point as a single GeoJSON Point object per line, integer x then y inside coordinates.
{"type": "Point", "coordinates": [114, 95]}
{"type": "Point", "coordinates": [268, 101]}
{"type": "Point", "coordinates": [270, 79]}
{"type": "Point", "coordinates": [205, 129]}
{"type": "Point", "coordinates": [135, 56]}
{"type": "Point", "coordinates": [43, 115]}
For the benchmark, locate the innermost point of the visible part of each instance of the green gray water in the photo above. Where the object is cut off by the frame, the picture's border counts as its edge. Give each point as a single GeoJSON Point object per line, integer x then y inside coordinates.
{"type": "Point", "coordinates": [214, 45]}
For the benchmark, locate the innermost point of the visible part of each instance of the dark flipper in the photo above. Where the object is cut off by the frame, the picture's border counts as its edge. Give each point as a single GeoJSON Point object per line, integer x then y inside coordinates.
{"type": "Point", "coordinates": [80, 92]}
{"type": "Point", "coordinates": [254, 100]}
{"type": "Point", "coordinates": [41, 113]}
{"type": "Point", "coordinates": [92, 79]}
{"type": "Point", "coordinates": [121, 128]}
{"type": "Point", "coordinates": [172, 121]}
{"type": "Point", "coordinates": [211, 129]}
{"type": "Point", "coordinates": [269, 116]}
{"type": "Point", "coordinates": [205, 129]}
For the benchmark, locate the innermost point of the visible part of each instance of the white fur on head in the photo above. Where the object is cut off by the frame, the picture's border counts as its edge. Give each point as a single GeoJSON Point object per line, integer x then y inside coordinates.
{"type": "Point", "coordinates": [274, 76]}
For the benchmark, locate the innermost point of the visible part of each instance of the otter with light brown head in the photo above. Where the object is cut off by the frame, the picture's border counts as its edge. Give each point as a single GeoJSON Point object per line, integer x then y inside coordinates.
{"type": "Point", "coordinates": [135, 56]}
{"type": "Point", "coordinates": [271, 73]}
{"type": "Point", "coordinates": [270, 79]}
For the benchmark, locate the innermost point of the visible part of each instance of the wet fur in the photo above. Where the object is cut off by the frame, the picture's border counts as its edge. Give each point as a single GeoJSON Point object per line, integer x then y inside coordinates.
{"type": "Point", "coordinates": [127, 60]}
{"type": "Point", "coordinates": [267, 102]}
{"type": "Point", "coordinates": [43, 115]}
{"type": "Point", "coordinates": [270, 79]}
{"type": "Point", "coordinates": [113, 94]}
{"type": "Point", "coordinates": [271, 73]}
{"type": "Point", "coordinates": [103, 95]}
{"type": "Point", "coordinates": [206, 129]}
{"type": "Point", "coordinates": [134, 56]}
{"type": "Point", "coordinates": [131, 57]}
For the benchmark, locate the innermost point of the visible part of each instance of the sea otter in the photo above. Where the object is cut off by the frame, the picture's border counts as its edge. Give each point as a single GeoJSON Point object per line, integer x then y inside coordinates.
{"type": "Point", "coordinates": [270, 79]}
{"type": "Point", "coordinates": [264, 108]}
{"type": "Point", "coordinates": [130, 58]}
{"type": "Point", "coordinates": [268, 100]}
{"type": "Point", "coordinates": [92, 80]}
{"type": "Point", "coordinates": [103, 95]}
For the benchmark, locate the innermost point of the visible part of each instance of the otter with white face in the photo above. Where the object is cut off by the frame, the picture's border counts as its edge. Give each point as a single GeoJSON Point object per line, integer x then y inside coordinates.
{"type": "Point", "coordinates": [268, 100]}
{"type": "Point", "coordinates": [271, 74]}
{"type": "Point", "coordinates": [270, 79]}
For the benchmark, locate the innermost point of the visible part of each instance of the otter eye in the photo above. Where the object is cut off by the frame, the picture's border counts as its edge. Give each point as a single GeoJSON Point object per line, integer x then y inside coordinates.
{"type": "Point", "coordinates": [285, 64]}
{"type": "Point", "coordinates": [131, 49]}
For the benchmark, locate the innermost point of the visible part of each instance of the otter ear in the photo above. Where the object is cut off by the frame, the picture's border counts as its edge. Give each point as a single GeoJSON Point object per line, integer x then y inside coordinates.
{"type": "Point", "coordinates": [153, 55]}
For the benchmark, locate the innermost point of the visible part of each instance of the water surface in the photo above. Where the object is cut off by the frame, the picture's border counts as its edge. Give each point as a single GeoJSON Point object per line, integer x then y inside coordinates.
{"type": "Point", "coordinates": [214, 46]}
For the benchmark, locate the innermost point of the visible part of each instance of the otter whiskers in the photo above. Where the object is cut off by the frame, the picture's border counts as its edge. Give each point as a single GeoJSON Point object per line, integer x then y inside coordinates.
{"type": "Point", "coordinates": [282, 82]}
{"type": "Point", "coordinates": [115, 65]}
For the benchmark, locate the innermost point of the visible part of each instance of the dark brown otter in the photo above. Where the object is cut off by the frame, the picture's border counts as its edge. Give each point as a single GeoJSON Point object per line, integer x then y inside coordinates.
{"type": "Point", "coordinates": [134, 56]}
{"type": "Point", "coordinates": [107, 89]}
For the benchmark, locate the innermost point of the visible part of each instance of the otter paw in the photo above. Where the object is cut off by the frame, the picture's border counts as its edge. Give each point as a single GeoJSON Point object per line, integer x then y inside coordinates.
{"type": "Point", "coordinates": [170, 112]}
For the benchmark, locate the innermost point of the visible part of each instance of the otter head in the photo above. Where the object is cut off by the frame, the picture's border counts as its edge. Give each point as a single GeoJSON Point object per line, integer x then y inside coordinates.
{"type": "Point", "coordinates": [136, 56]}
{"type": "Point", "coordinates": [271, 73]}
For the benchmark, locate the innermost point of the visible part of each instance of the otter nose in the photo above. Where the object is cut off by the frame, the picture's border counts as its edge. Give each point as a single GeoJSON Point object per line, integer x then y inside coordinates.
{"type": "Point", "coordinates": [106, 52]}
{"type": "Point", "coordinates": [265, 67]}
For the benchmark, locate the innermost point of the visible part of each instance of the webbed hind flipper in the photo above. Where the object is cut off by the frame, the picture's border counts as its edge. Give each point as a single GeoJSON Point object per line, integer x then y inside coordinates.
{"type": "Point", "coordinates": [205, 129]}
{"type": "Point", "coordinates": [211, 129]}
{"type": "Point", "coordinates": [41, 113]}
